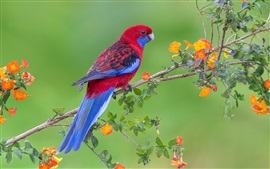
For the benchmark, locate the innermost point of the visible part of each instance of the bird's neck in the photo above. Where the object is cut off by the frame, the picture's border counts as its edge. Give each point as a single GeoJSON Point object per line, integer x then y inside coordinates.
{"type": "Point", "coordinates": [134, 44]}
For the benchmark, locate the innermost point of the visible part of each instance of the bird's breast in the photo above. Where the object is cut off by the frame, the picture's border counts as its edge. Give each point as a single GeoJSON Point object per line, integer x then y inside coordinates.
{"type": "Point", "coordinates": [96, 87]}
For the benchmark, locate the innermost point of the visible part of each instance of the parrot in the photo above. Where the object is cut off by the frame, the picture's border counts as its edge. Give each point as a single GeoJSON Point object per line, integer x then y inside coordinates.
{"type": "Point", "coordinates": [113, 69]}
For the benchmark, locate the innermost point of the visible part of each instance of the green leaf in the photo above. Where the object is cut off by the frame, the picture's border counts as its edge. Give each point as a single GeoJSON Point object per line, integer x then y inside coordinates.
{"type": "Point", "coordinates": [159, 142]}
{"type": "Point", "coordinates": [32, 158]}
{"type": "Point", "coordinates": [35, 153]}
{"type": "Point", "coordinates": [166, 153]}
{"type": "Point", "coordinates": [9, 156]}
{"type": "Point", "coordinates": [18, 153]}
{"type": "Point", "coordinates": [111, 116]}
{"type": "Point", "coordinates": [94, 141]}
{"type": "Point", "coordinates": [6, 96]}
{"type": "Point", "coordinates": [121, 100]}
{"type": "Point", "coordinates": [259, 71]}
{"type": "Point", "coordinates": [27, 145]}
{"type": "Point", "coordinates": [17, 144]}
{"type": "Point", "coordinates": [159, 152]}
{"type": "Point", "coordinates": [62, 132]}
{"type": "Point", "coordinates": [58, 110]}
{"type": "Point", "coordinates": [137, 91]}
{"type": "Point", "coordinates": [171, 143]}
{"type": "Point", "coordinates": [144, 154]}
{"type": "Point", "coordinates": [104, 154]}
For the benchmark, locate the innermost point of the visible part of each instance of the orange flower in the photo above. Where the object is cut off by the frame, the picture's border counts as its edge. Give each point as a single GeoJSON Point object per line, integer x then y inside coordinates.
{"type": "Point", "coordinates": [207, 44]}
{"type": "Point", "coordinates": [49, 150]}
{"type": "Point", "coordinates": [12, 111]}
{"type": "Point", "coordinates": [19, 94]}
{"type": "Point", "coordinates": [2, 74]}
{"type": "Point", "coordinates": [146, 75]}
{"type": "Point", "coordinates": [25, 63]}
{"type": "Point", "coordinates": [188, 44]}
{"type": "Point", "coordinates": [28, 78]}
{"type": "Point", "coordinates": [106, 129]}
{"type": "Point", "coordinates": [119, 166]}
{"type": "Point", "coordinates": [205, 91]}
{"type": "Point", "coordinates": [13, 67]}
{"type": "Point", "coordinates": [7, 85]}
{"type": "Point", "coordinates": [51, 163]}
{"type": "Point", "coordinates": [178, 163]}
{"type": "Point", "coordinates": [2, 119]}
{"type": "Point", "coordinates": [52, 160]}
{"type": "Point", "coordinates": [267, 84]}
{"type": "Point", "coordinates": [30, 81]}
{"type": "Point", "coordinates": [43, 166]}
{"type": "Point", "coordinates": [211, 62]}
{"type": "Point", "coordinates": [259, 106]}
{"type": "Point", "coordinates": [174, 47]}
{"type": "Point", "coordinates": [179, 140]}
{"type": "Point", "coordinates": [202, 44]}
{"type": "Point", "coordinates": [26, 75]}
{"type": "Point", "coordinates": [200, 54]}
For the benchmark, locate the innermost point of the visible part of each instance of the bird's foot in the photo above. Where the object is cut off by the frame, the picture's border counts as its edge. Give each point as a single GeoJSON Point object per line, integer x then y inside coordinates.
{"type": "Point", "coordinates": [127, 88]}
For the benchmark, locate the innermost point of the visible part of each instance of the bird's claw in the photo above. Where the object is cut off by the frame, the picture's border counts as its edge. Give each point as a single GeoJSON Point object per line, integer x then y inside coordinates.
{"type": "Point", "coordinates": [127, 88]}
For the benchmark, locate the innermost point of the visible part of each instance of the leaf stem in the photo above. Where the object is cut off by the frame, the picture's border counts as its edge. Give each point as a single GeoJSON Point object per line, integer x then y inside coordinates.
{"type": "Point", "coordinates": [96, 154]}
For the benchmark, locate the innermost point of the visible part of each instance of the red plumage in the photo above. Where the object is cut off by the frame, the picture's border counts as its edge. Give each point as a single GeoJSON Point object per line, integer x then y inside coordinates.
{"type": "Point", "coordinates": [111, 59]}
{"type": "Point", "coordinates": [114, 68]}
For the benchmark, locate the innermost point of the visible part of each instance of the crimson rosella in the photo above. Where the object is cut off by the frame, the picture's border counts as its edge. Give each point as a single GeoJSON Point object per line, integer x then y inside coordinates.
{"type": "Point", "coordinates": [114, 68]}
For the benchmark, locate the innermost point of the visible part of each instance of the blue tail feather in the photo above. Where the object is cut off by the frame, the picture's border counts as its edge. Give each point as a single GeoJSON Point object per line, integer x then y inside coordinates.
{"type": "Point", "coordinates": [88, 113]}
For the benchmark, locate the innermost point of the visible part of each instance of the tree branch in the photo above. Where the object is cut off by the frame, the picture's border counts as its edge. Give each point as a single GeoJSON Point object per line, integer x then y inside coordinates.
{"type": "Point", "coordinates": [46, 124]}
{"type": "Point", "coordinates": [159, 76]}
{"type": "Point", "coordinates": [247, 36]}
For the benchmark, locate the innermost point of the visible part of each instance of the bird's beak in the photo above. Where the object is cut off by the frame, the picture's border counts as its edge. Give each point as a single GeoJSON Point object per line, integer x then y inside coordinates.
{"type": "Point", "coordinates": [151, 36]}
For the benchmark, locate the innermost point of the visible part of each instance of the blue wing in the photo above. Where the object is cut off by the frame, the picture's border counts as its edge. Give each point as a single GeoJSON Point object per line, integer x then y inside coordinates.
{"type": "Point", "coordinates": [117, 60]}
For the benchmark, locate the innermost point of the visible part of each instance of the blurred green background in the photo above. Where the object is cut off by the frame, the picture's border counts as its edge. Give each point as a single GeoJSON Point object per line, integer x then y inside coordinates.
{"type": "Point", "coordinates": [61, 39]}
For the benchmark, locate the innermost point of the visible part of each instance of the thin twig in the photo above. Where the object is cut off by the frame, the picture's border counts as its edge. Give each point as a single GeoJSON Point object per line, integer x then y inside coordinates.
{"type": "Point", "coordinates": [247, 36]}
{"type": "Point", "coordinates": [93, 150]}
{"type": "Point", "coordinates": [129, 138]}
{"type": "Point", "coordinates": [212, 32]}
{"type": "Point", "coordinates": [225, 28]}
{"type": "Point", "coordinates": [201, 13]}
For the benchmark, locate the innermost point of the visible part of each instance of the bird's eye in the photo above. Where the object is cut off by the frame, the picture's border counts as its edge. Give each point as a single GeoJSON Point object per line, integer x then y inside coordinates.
{"type": "Point", "coordinates": [143, 32]}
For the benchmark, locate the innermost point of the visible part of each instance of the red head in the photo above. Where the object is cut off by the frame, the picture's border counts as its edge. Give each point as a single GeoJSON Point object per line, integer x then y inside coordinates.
{"type": "Point", "coordinates": [138, 35]}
